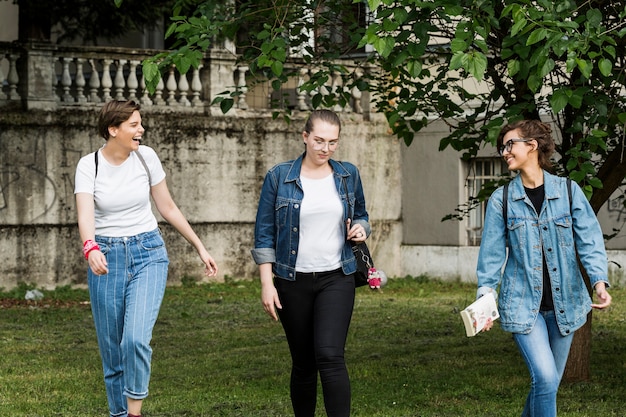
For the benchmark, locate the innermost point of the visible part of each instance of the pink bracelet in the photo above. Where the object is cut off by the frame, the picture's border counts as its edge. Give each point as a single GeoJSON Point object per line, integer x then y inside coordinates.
{"type": "Point", "coordinates": [88, 246]}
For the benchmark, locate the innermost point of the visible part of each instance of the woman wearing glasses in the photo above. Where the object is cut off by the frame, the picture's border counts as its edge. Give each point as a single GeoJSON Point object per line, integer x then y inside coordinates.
{"type": "Point", "coordinates": [543, 299]}
{"type": "Point", "coordinates": [302, 247]}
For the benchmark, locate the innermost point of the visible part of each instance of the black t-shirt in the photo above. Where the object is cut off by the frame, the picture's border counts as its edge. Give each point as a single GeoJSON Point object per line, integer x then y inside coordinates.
{"type": "Point", "coordinates": [537, 196]}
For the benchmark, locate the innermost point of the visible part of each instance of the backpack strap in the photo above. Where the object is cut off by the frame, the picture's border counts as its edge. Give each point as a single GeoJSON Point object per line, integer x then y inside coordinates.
{"type": "Point", "coordinates": [143, 162]}
{"type": "Point", "coordinates": [569, 193]}
{"type": "Point", "coordinates": [505, 211]}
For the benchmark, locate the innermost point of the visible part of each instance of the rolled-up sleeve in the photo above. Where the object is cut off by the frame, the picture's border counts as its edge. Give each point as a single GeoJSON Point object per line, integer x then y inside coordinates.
{"type": "Point", "coordinates": [492, 252]}
{"type": "Point", "coordinates": [264, 229]}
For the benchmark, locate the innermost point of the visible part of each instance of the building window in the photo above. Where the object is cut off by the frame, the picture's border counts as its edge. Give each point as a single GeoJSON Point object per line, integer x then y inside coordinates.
{"type": "Point", "coordinates": [481, 171]}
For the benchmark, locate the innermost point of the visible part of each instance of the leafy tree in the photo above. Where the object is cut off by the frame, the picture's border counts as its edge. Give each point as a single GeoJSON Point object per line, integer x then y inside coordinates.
{"type": "Point", "coordinates": [560, 60]}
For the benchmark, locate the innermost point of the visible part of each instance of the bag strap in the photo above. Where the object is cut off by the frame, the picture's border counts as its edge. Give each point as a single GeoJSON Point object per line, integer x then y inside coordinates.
{"type": "Point", "coordinates": [143, 162]}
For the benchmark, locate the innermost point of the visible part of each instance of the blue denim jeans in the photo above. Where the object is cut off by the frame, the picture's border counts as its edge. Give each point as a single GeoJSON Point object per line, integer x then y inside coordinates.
{"type": "Point", "coordinates": [125, 304]}
{"type": "Point", "coordinates": [545, 351]}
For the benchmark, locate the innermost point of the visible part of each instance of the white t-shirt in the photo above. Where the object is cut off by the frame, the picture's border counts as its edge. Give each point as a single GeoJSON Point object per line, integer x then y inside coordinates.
{"type": "Point", "coordinates": [321, 226]}
{"type": "Point", "coordinates": [121, 192]}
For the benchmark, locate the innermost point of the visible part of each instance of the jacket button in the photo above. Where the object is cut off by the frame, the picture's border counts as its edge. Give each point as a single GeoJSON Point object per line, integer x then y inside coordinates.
{"type": "Point", "coordinates": [293, 252]}
{"type": "Point", "coordinates": [549, 249]}
{"type": "Point", "coordinates": [561, 311]}
{"type": "Point", "coordinates": [567, 331]}
{"type": "Point", "coordinates": [295, 229]}
{"type": "Point", "coordinates": [296, 205]}
{"type": "Point", "coordinates": [557, 289]}
{"type": "Point", "coordinates": [545, 228]}
{"type": "Point", "coordinates": [553, 269]}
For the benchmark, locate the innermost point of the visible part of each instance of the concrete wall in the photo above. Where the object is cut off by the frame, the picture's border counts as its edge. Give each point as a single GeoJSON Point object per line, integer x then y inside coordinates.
{"type": "Point", "coordinates": [432, 187]}
{"type": "Point", "coordinates": [215, 167]}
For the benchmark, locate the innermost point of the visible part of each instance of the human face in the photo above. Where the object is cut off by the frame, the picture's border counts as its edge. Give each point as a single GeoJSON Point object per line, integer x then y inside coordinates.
{"type": "Point", "coordinates": [321, 142]}
{"type": "Point", "coordinates": [129, 133]}
{"type": "Point", "coordinates": [517, 151]}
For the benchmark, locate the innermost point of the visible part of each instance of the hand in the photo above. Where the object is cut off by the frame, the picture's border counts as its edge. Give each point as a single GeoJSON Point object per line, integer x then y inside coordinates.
{"type": "Point", "coordinates": [270, 300]}
{"type": "Point", "coordinates": [210, 266]}
{"type": "Point", "coordinates": [604, 297]}
{"type": "Point", "coordinates": [356, 233]}
{"type": "Point", "coordinates": [488, 325]}
{"type": "Point", "coordinates": [98, 262]}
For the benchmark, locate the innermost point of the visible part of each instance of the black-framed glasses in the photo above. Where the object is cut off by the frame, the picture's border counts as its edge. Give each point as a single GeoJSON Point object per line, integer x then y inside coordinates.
{"type": "Point", "coordinates": [509, 144]}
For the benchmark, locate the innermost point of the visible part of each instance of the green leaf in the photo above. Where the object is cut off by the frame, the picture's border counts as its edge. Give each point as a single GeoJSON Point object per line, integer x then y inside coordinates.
{"type": "Point", "coordinates": [458, 60]}
{"type": "Point", "coordinates": [414, 67]}
{"type": "Point", "coordinates": [537, 35]}
{"type": "Point", "coordinates": [226, 105]}
{"type": "Point", "coordinates": [277, 68]}
{"type": "Point", "coordinates": [458, 45]}
{"type": "Point", "coordinates": [513, 67]}
{"type": "Point", "coordinates": [384, 46]}
{"type": "Point", "coordinates": [477, 65]}
{"type": "Point", "coordinates": [585, 67]}
{"type": "Point", "coordinates": [605, 66]}
{"type": "Point", "coordinates": [518, 26]}
{"type": "Point", "coordinates": [558, 101]}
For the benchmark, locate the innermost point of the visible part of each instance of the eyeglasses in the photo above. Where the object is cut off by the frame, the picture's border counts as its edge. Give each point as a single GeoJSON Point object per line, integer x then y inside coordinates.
{"type": "Point", "coordinates": [509, 145]}
{"type": "Point", "coordinates": [318, 145]}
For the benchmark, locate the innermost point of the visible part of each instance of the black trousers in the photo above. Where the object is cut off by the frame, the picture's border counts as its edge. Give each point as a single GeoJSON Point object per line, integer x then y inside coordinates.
{"type": "Point", "coordinates": [316, 314]}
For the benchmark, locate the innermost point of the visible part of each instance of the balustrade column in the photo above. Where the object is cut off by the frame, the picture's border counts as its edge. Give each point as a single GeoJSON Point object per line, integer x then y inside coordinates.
{"type": "Point", "coordinates": [80, 81]}
{"type": "Point", "coordinates": [196, 86]}
{"type": "Point", "coordinates": [119, 81]}
{"type": "Point", "coordinates": [13, 77]}
{"type": "Point", "coordinates": [107, 82]}
{"type": "Point", "coordinates": [132, 80]}
{"type": "Point", "coordinates": [66, 80]}
{"type": "Point", "coordinates": [94, 82]}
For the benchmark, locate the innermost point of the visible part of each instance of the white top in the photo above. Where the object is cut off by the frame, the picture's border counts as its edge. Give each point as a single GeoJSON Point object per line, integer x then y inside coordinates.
{"type": "Point", "coordinates": [321, 226]}
{"type": "Point", "coordinates": [121, 192]}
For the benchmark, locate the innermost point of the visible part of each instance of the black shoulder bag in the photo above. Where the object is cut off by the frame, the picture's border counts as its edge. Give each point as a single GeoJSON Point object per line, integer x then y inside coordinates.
{"type": "Point", "coordinates": [361, 252]}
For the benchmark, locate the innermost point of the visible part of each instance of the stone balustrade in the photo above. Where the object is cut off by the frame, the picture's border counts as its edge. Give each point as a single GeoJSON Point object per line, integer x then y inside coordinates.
{"type": "Point", "coordinates": [49, 77]}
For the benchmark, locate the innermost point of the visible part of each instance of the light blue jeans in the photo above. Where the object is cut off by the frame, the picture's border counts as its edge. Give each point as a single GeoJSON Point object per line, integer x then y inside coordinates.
{"type": "Point", "coordinates": [125, 304]}
{"type": "Point", "coordinates": [545, 351]}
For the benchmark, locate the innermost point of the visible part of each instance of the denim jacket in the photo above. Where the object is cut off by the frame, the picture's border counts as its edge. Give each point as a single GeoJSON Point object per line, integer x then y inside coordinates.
{"type": "Point", "coordinates": [559, 233]}
{"type": "Point", "coordinates": [277, 228]}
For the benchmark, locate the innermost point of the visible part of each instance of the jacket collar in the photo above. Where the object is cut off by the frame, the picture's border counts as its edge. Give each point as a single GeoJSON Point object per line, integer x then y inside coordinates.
{"type": "Point", "coordinates": [550, 182]}
{"type": "Point", "coordinates": [296, 167]}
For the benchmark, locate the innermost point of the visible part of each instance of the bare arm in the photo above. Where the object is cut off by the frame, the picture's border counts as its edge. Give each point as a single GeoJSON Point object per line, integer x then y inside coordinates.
{"type": "Point", "coordinates": [269, 295]}
{"type": "Point", "coordinates": [87, 231]}
{"type": "Point", "coordinates": [172, 214]}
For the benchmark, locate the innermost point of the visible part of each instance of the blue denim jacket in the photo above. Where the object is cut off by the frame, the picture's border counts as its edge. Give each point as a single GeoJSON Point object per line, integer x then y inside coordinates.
{"type": "Point", "coordinates": [557, 232]}
{"type": "Point", "coordinates": [277, 228]}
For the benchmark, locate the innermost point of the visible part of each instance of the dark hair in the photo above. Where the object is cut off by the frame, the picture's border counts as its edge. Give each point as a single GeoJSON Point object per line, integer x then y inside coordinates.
{"type": "Point", "coordinates": [114, 113]}
{"type": "Point", "coordinates": [324, 115]}
{"type": "Point", "coordinates": [537, 130]}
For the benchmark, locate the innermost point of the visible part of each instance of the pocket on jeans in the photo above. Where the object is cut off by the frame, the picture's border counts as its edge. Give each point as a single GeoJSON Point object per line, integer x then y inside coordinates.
{"type": "Point", "coordinates": [152, 243]}
{"type": "Point", "coordinates": [104, 248]}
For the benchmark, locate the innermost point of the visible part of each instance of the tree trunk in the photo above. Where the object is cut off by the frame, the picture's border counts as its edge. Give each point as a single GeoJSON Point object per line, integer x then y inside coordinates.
{"type": "Point", "coordinates": [578, 367]}
{"type": "Point", "coordinates": [578, 362]}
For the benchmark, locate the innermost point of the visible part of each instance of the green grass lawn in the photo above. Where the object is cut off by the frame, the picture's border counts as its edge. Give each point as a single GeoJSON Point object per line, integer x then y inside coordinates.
{"type": "Point", "coordinates": [216, 353]}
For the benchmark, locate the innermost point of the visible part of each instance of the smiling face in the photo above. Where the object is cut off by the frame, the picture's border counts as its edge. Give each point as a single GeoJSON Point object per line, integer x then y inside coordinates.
{"type": "Point", "coordinates": [521, 153]}
{"type": "Point", "coordinates": [321, 142]}
{"type": "Point", "coordinates": [129, 133]}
